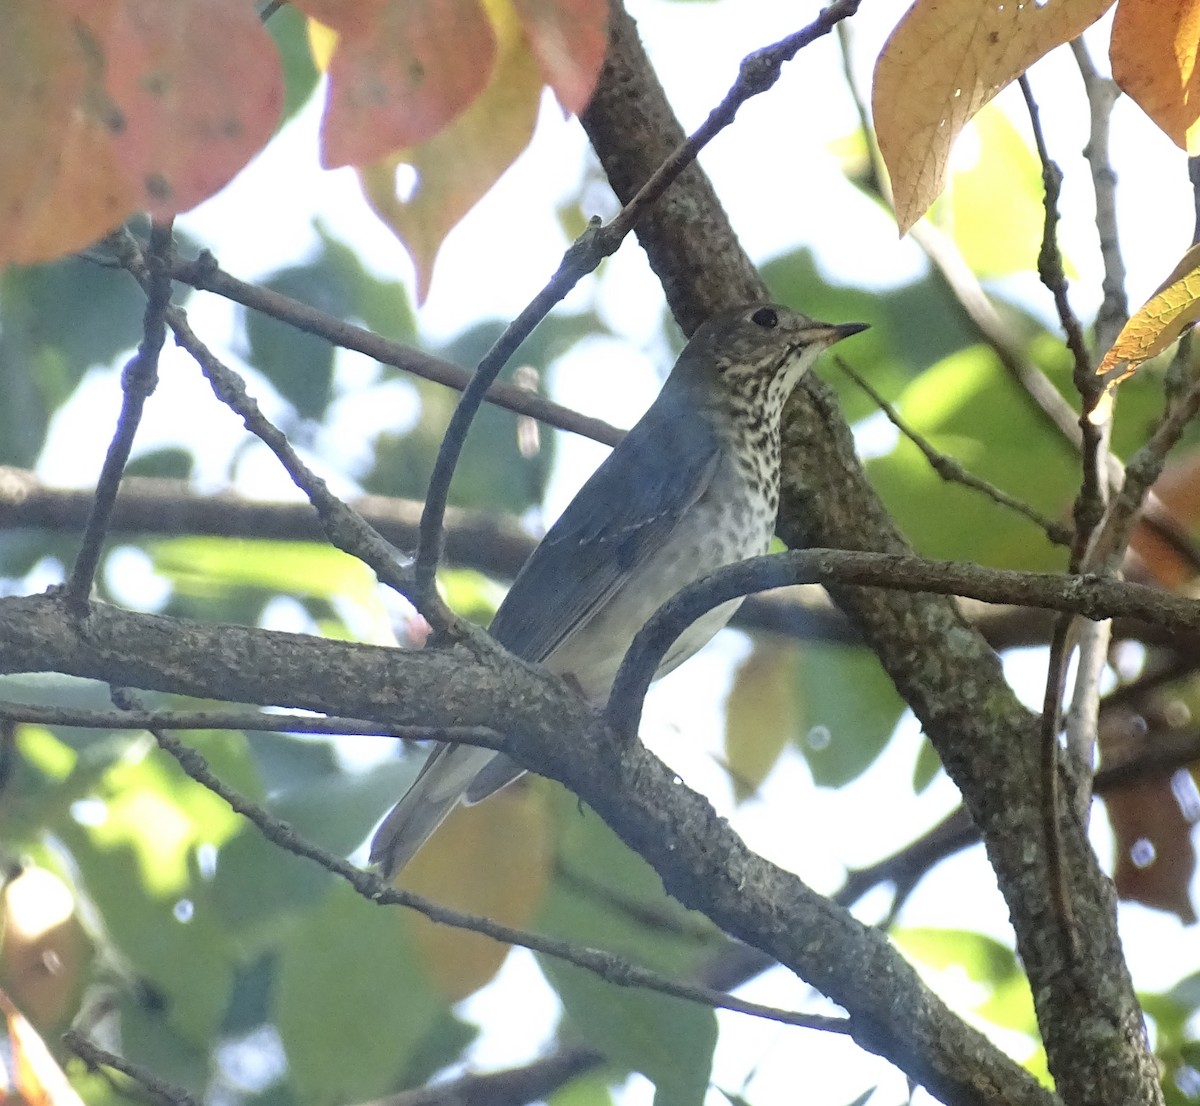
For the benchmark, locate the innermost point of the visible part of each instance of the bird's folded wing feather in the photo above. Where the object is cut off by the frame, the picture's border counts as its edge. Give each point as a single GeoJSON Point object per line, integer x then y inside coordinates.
{"type": "Point", "coordinates": [628, 509]}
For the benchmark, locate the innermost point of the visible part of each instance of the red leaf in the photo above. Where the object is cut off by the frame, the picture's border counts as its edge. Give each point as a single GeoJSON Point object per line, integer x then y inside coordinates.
{"type": "Point", "coordinates": [402, 70]}
{"type": "Point", "coordinates": [199, 87]}
{"type": "Point", "coordinates": [569, 39]}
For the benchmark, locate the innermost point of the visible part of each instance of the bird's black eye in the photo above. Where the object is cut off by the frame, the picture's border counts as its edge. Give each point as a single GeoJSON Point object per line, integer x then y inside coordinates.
{"type": "Point", "coordinates": [766, 317]}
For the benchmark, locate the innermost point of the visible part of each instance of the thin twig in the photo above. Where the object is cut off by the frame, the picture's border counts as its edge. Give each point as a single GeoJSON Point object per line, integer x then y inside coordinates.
{"type": "Point", "coordinates": [344, 527]}
{"type": "Point", "coordinates": [610, 967]}
{"type": "Point", "coordinates": [1092, 596]}
{"type": "Point", "coordinates": [1091, 503]}
{"type": "Point", "coordinates": [253, 720]}
{"type": "Point", "coordinates": [1102, 93]}
{"type": "Point", "coordinates": [757, 73]}
{"type": "Point", "coordinates": [965, 289]}
{"type": "Point", "coordinates": [204, 273]}
{"type": "Point", "coordinates": [952, 472]}
{"type": "Point", "coordinates": [95, 1057]}
{"type": "Point", "coordinates": [138, 382]}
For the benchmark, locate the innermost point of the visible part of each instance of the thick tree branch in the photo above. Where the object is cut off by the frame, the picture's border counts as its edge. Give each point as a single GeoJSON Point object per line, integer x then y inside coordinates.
{"type": "Point", "coordinates": [702, 862]}
{"type": "Point", "coordinates": [1090, 1020]}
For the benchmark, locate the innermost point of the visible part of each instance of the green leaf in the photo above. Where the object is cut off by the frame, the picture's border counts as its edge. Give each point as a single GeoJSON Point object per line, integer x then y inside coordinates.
{"type": "Point", "coordinates": [606, 895]}
{"type": "Point", "coordinates": [259, 889]}
{"type": "Point", "coordinates": [927, 766]}
{"type": "Point", "coordinates": [947, 954]}
{"type": "Point", "coordinates": [967, 406]}
{"type": "Point", "coordinates": [900, 342]}
{"type": "Point", "coordinates": [205, 567]}
{"type": "Point", "coordinates": [1006, 177]}
{"type": "Point", "coordinates": [589, 1090]}
{"type": "Point", "coordinates": [760, 715]}
{"type": "Point", "coordinates": [289, 29]}
{"type": "Point", "coordinates": [848, 709]}
{"type": "Point", "coordinates": [170, 463]}
{"type": "Point", "coordinates": [668, 1040]}
{"type": "Point", "coordinates": [352, 1005]}
{"type": "Point", "coordinates": [56, 322]}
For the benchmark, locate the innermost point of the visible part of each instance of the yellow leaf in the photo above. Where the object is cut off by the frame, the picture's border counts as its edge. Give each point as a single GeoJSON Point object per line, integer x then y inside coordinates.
{"type": "Point", "coordinates": [456, 167]}
{"type": "Point", "coordinates": [760, 716]}
{"type": "Point", "coordinates": [1159, 322]}
{"type": "Point", "coordinates": [1153, 54]}
{"type": "Point", "coordinates": [942, 63]}
{"type": "Point", "coordinates": [492, 859]}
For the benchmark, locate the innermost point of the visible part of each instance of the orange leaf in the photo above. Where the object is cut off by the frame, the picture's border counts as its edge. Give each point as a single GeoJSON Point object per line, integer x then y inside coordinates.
{"type": "Point", "coordinates": [401, 71]}
{"type": "Point", "coordinates": [1153, 54]}
{"type": "Point", "coordinates": [38, 1080]}
{"type": "Point", "coordinates": [456, 167]}
{"type": "Point", "coordinates": [569, 39]}
{"type": "Point", "coordinates": [58, 190]}
{"type": "Point", "coordinates": [107, 106]}
{"type": "Point", "coordinates": [942, 63]}
{"type": "Point", "coordinates": [493, 859]}
{"type": "Point", "coordinates": [200, 88]}
{"type": "Point", "coordinates": [1158, 322]}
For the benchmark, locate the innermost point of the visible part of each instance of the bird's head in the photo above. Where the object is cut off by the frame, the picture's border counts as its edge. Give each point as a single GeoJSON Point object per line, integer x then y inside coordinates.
{"type": "Point", "coordinates": [751, 357]}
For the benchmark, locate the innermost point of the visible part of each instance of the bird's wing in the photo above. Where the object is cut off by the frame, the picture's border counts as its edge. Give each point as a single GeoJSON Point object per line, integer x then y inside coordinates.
{"type": "Point", "coordinates": [628, 509]}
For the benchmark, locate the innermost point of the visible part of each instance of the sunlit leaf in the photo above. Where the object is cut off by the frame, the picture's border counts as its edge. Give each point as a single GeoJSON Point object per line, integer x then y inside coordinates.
{"type": "Point", "coordinates": [1006, 177]}
{"type": "Point", "coordinates": [1153, 53]}
{"type": "Point", "coordinates": [569, 39]}
{"type": "Point", "coordinates": [39, 1081]}
{"type": "Point", "coordinates": [968, 407]}
{"type": "Point", "coordinates": [422, 191]}
{"type": "Point", "coordinates": [942, 63]}
{"type": "Point", "coordinates": [400, 72]}
{"type": "Point", "coordinates": [110, 106]}
{"type": "Point", "coordinates": [1158, 322]}
{"type": "Point", "coordinates": [760, 716]}
{"type": "Point", "coordinates": [494, 859]}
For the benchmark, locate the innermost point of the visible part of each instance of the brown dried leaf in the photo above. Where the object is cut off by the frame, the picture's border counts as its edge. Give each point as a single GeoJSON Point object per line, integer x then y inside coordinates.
{"type": "Point", "coordinates": [942, 63]}
{"type": "Point", "coordinates": [1153, 53]}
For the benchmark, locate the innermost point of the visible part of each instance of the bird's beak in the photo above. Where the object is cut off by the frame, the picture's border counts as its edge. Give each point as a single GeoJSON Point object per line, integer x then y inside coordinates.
{"type": "Point", "coordinates": [836, 333]}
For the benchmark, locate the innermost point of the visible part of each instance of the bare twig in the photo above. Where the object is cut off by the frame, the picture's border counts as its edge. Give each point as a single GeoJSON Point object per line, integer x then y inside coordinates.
{"type": "Point", "coordinates": [1102, 93]}
{"type": "Point", "coordinates": [952, 472]}
{"type": "Point", "coordinates": [344, 527]}
{"type": "Point", "coordinates": [1092, 596]}
{"type": "Point", "coordinates": [758, 72]}
{"type": "Point", "coordinates": [204, 273]}
{"type": "Point", "coordinates": [95, 1057]}
{"type": "Point", "coordinates": [138, 382]}
{"type": "Point", "coordinates": [1090, 504]}
{"type": "Point", "coordinates": [253, 720]}
{"type": "Point", "coordinates": [608, 966]}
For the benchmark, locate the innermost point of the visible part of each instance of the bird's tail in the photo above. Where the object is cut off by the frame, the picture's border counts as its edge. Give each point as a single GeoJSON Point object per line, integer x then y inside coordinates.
{"type": "Point", "coordinates": [439, 786]}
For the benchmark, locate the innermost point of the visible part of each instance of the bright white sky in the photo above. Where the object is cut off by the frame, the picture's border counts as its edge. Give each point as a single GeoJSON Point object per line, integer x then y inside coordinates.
{"type": "Point", "coordinates": [498, 259]}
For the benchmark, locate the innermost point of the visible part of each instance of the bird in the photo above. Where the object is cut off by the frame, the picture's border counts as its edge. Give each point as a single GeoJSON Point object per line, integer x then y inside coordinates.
{"type": "Point", "coordinates": [692, 487]}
